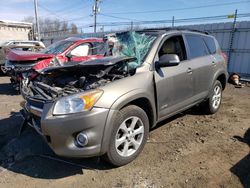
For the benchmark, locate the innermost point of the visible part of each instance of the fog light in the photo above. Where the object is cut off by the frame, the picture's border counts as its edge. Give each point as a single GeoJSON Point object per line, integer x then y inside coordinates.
{"type": "Point", "coordinates": [82, 139]}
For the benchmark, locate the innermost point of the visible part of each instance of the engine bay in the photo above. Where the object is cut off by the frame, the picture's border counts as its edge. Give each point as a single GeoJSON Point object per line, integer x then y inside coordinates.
{"type": "Point", "coordinates": [58, 82]}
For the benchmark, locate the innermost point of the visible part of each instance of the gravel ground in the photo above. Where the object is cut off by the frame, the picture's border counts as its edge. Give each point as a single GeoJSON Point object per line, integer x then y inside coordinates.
{"type": "Point", "coordinates": [188, 150]}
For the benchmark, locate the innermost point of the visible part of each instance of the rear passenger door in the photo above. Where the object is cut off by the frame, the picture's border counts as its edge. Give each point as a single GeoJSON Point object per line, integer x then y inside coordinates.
{"type": "Point", "coordinates": [201, 63]}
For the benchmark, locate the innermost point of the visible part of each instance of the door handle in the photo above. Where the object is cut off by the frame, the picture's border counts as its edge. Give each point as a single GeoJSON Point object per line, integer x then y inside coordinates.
{"type": "Point", "coordinates": [189, 71]}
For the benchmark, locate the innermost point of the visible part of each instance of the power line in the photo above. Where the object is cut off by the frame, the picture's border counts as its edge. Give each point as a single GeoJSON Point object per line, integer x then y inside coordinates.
{"type": "Point", "coordinates": [183, 20]}
{"type": "Point", "coordinates": [122, 18]}
{"type": "Point", "coordinates": [79, 8]}
{"type": "Point", "coordinates": [67, 8]}
{"type": "Point", "coordinates": [179, 9]}
{"type": "Point", "coordinates": [59, 17]}
{"type": "Point", "coordinates": [51, 12]}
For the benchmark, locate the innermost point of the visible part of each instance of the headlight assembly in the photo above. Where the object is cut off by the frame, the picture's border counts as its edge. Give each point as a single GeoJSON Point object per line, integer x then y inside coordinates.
{"type": "Point", "coordinates": [77, 103]}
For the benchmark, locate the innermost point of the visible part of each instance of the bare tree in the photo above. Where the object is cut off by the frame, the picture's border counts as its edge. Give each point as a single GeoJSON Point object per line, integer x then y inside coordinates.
{"type": "Point", "coordinates": [50, 27]}
{"type": "Point", "coordinates": [73, 29]}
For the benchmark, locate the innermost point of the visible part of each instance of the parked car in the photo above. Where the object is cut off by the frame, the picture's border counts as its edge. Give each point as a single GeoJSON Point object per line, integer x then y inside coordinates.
{"type": "Point", "coordinates": [105, 107]}
{"type": "Point", "coordinates": [70, 49]}
{"type": "Point", "coordinates": [6, 46]}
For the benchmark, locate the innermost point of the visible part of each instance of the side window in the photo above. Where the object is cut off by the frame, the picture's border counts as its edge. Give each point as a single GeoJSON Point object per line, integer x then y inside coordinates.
{"type": "Point", "coordinates": [196, 45]}
{"type": "Point", "coordinates": [81, 50]}
{"type": "Point", "coordinates": [99, 48]}
{"type": "Point", "coordinates": [174, 45]}
{"type": "Point", "coordinates": [210, 43]}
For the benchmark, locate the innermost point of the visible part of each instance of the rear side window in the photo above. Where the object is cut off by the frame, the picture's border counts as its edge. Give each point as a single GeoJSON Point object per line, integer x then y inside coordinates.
{"type": "Point", "coordinates": [99, 48]}
{"type": "Point", "coordinates": [197, 46]}
{"type": "Point", "coordinates": [210, 44]}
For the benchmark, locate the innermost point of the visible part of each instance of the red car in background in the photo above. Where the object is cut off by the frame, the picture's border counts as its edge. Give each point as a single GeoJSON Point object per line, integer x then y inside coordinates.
{"type": "Point", "coordinates": [59, 53]}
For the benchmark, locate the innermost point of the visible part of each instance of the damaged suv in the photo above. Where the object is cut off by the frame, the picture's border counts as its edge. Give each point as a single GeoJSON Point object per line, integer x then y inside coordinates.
{"type": "Point", "coordinates": [106, 107]}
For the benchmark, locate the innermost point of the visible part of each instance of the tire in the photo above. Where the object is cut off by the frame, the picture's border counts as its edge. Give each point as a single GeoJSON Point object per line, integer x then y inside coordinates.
{"type": "Point", "coordinates": [126, 142]}
{"type": "Point", "coordinates": [212, 104]}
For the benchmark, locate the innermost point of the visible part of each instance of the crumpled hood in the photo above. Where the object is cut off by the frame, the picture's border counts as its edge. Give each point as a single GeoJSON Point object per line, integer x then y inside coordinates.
{"type": "Point", "coordinates": [16, 55]}
{"type": "Point", "coordinates": [102, 62]}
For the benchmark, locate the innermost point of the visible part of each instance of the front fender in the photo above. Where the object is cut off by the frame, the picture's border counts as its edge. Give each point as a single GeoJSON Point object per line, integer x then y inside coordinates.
{"type": "Point", "coordinates": [117, 105]}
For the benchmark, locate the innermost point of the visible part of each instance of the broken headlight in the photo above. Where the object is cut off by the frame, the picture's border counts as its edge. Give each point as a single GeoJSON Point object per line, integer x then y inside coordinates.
{"type": "Point", "coordinates": [77, 103]}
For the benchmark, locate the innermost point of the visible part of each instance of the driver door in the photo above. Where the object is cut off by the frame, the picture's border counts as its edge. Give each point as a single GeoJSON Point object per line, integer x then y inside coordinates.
{"type": "Point", "coordinates": [174, 85]}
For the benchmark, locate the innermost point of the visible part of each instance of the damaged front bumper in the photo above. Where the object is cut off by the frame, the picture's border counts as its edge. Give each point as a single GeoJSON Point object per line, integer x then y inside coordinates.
{"type": "Point", "coordinates": [11, 68]}
{"type": "Point", "coordinates": [60, 132]}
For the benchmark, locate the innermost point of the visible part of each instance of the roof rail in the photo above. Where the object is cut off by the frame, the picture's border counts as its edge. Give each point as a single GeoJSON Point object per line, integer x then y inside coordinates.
{"type": "Point", "coordinates": [175, 28]}
{"type": "Point", "coordinates": [194, 30]}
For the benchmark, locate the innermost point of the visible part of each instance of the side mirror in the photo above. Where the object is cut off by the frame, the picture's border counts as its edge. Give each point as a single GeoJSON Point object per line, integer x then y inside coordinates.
{"type": "Point", "coordinates": [168, 60]}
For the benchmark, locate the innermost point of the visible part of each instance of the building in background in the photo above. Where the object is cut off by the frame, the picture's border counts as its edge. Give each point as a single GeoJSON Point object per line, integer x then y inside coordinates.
{"type": "Point", "coordinates": [11, 30]}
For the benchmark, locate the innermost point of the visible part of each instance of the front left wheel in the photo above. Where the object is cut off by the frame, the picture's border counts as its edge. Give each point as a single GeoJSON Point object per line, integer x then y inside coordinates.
{"type": "Point", "coordinates": [128, 136]}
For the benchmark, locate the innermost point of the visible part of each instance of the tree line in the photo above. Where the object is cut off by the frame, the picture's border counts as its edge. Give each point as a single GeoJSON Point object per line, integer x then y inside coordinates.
{"type": "Point", "coordinates": [51, 27]}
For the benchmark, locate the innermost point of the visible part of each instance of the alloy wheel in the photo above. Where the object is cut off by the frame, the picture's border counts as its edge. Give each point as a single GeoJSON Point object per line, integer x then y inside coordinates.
{"type": "Point", "coordinates": [129, 136]}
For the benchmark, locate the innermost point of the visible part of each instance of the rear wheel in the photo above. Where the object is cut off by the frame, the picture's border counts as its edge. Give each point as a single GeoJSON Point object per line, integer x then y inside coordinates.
{"type": "Point", "coordinates": [128, 137]}
{"type": "Point", "coordinates": [213, 102]}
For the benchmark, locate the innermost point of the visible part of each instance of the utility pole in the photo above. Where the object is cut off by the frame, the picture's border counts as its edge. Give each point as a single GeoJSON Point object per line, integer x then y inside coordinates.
{"type": "Point", "coordinates": [95, 12]}
{"type": "Point", "coordinates": [37, 21]}
{"type": "Point", "coordinates": [131, 28]}
{"type": "Point", "coordinates": [232, 38]}
{"type": "Point", "coordinates": [173, 21]}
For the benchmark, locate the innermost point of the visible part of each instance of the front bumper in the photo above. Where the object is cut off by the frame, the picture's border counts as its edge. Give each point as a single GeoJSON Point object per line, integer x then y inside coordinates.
{"type": "Point", "coordinates": [60, 131]}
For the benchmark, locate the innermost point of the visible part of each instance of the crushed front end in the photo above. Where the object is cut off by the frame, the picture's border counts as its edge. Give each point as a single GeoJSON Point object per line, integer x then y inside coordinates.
{"type": "Point", "coordinates": [60, 104]}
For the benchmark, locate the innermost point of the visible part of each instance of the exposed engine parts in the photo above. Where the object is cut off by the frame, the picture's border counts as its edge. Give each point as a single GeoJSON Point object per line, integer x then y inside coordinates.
{"type": "Point", "coordinates": [62, 81]}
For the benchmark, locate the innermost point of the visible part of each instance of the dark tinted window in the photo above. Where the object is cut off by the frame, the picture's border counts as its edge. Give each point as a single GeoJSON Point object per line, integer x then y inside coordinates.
{"type": "Point", "coordinates": [174, 45]}
{"type": "Point", "coordinates": [99, 48]}
{"type": "Point", "coordinates": [210, 44]}
{"type": "Point", "coordinates": [196, 45]}
{"type": "Point", "coordinates": [57, 47]}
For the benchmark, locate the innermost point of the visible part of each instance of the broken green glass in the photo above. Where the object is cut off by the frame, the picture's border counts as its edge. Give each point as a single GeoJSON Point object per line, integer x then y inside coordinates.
{"type": "Point", "coordinates": [133, 44]}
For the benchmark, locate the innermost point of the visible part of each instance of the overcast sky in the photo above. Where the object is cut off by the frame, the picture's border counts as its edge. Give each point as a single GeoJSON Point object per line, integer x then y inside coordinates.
{"type": "Point", "coordinates": [80, 10]}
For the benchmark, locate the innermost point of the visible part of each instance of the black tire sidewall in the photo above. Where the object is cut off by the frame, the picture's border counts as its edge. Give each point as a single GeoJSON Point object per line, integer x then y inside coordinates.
{"type": "Point", "coordinates": [112, 155]}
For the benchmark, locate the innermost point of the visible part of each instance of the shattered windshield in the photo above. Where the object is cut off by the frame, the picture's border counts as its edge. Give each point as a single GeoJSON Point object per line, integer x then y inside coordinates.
{"type": "Point", "coordinates": [57, 47]}
{"type": "Point", "coordinates": [132, 44]}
